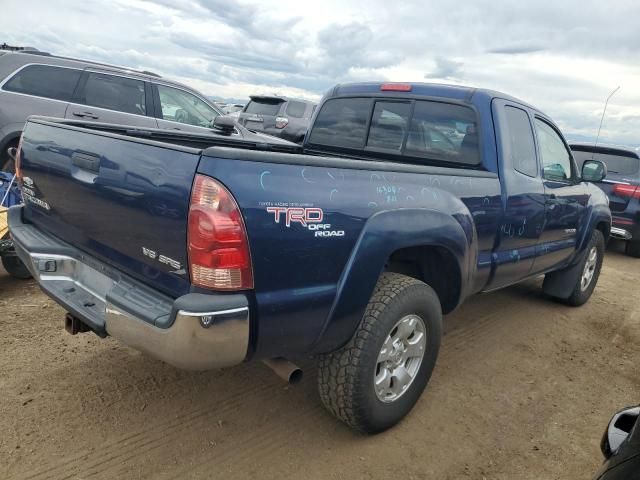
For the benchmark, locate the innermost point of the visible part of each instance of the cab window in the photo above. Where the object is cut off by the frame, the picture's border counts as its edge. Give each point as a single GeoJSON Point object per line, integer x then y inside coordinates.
{"type": "Point", "coordinates": [522, 146]}
{"type": "Point", "coordinates": [556, 160]}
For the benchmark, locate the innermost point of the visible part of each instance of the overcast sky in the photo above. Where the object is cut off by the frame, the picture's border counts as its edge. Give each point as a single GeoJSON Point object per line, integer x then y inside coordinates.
{"type": "Point", "coordinates": [563, 56]}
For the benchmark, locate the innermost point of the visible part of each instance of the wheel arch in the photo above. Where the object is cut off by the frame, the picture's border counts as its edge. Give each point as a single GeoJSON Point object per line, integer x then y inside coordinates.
{"type": "Point", "coordinates": [401, 241]}
{"type": "Point", "coordinates": [434, 265]}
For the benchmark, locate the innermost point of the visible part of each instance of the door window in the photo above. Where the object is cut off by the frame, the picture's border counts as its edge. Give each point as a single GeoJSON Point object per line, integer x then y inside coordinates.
{"type": "Point", "coordinates": [115, 93]}
{"type": "Point", "coordinates": [183, 107]}
{"type": "Point", "coordinates": [522, 146]}
{"type": "Point", "coordinates": [556, 160]}
{"type": "Point", "coordinates": [45, 81]}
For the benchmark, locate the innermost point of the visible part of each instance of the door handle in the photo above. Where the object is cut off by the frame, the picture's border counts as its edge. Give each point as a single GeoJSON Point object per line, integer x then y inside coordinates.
{"type": "Point", "coordinates": [552, 196]}
{"type": "Point", "coordinates": [85, 115]}
{"type": "Point", "coordinates": [90, 163]}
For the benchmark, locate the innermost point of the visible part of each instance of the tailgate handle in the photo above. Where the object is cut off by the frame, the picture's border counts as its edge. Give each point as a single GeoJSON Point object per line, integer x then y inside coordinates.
{"type": "Point", "coordinates": [86, 115]}
{"type": "Point", "coordinates": [86, 162]}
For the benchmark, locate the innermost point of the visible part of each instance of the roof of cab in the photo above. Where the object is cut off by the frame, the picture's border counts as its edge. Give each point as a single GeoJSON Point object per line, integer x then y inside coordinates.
{"type": "Point", "coordinates": [454, 92]}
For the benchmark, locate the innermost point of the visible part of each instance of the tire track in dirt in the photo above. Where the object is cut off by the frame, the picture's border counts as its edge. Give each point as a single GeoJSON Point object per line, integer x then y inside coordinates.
{"type": "Point", "coordinates": [141, 443]}
{"type": "Point", "coordinates": [160, 434]}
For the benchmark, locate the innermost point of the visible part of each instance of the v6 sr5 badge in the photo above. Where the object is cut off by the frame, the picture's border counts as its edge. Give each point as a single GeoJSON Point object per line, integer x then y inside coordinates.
{"type": "Point", "coordinates": [310, 218]}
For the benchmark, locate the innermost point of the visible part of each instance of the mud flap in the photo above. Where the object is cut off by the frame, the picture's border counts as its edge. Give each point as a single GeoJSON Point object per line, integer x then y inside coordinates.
{"type": "Point", "coordinates": [561, 284]}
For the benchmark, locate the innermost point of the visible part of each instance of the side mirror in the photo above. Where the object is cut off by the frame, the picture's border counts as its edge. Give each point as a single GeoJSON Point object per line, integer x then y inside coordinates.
{"type": "Point", "coordinates": [593, 171]}
{"type": "Point", "coordinates": [225, 123]}
{"type": "Point", "coordinates": [618, 431]}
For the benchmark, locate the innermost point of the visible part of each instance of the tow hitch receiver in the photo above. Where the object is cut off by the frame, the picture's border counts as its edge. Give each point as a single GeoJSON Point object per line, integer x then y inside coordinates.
{"type": "Point", "coordinates": [74, 325]}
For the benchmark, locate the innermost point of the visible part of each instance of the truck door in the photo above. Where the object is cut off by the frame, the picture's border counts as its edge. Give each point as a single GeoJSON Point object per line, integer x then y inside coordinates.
{"type": "Point", "coordinates": [565, 198]}
{"type": "Point", "coordinates": [523, 194]}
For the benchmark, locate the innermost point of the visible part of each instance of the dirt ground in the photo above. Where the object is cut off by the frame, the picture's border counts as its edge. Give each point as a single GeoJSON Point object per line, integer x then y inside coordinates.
{"type": "Point", "coordinates": [523, 389]}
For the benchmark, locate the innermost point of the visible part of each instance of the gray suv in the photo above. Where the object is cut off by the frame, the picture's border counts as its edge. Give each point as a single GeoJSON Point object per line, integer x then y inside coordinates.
{"type": "Point", "coordinates": [283, 117]}
{"type": "Point", "coordinates": [37, 83]}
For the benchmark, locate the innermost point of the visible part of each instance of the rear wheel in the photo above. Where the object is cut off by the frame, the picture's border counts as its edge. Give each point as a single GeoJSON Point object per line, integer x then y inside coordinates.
{"type": "Point", "coordinates": [375, 380]}
{"type": "Point", "coordinates": [14, 267]}
{"type": "Point", "coordinates": [633, 248]}
{"type": "Point", "coordinates": [591, 266]}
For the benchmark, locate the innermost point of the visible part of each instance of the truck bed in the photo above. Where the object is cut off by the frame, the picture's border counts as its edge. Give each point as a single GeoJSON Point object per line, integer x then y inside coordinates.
{"type": "Point", "coordinates": [118, 193]}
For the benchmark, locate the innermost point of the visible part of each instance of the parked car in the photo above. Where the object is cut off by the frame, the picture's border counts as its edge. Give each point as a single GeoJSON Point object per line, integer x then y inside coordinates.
{"type": "Point", "coordinates": [36, 83]}
{"type": "Point", "coordinates": [232, 108]}
{"type": "Point", "coordinates": [622, 186]}
{"type": "Point", "coordinates": [620, 446]}
{"type": "Point", "coordinates": [282, 117]}
{"type": "Point", "coordinates": [349, 248]}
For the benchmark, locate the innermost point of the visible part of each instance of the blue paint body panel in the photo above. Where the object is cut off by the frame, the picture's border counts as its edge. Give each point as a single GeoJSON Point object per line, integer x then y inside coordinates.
{"type": "Point", "coordinates": [311, 289]}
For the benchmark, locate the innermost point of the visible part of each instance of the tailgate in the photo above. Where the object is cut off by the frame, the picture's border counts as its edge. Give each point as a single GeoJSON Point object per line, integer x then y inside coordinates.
{"type": "Point", "coordinates": [121, 199]}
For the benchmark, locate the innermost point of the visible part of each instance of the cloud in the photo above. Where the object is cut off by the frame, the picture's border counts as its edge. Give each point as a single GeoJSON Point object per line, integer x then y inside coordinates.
{"type": "Point", "coordinates": [517, 49]}
{"type": "Point", "coordinates": [564, 57]}
{"type": "Point", "coordinates": [446, 69]}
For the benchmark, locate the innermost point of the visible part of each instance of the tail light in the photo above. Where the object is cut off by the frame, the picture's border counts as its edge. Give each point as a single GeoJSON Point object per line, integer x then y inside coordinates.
{"type": "Point", "coordinates": [219, 255]}
{"type": "Point", "coordinates": [16, 161]}
{"type": "Point", "coordinates": [630, 191]}
{"type": "Point", "coordinates": [281, 122]}
{"type": "Point", "coordinates": [395, 87]}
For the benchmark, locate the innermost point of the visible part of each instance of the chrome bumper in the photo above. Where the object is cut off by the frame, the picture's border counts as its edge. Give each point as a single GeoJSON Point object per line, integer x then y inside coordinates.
{"type": "Point", "coordinates": [620, 233]}
{"type": "Point", "coordinates": [195, 341]}
{"type": "Point", "coordinates": [193, 332]}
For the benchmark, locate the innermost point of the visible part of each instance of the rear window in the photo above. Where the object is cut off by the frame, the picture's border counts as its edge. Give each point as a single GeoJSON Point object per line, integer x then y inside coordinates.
{"type": "Point", "coordinates": [115, 93]}
{"type": "Point", "coordinates": [296, 109]}
{"type": "Point", "coordinates": [420, 131]}
{"type": "Point", "coordinates": [45, 81]}
{"type": "Point", "coordinates": [342, 123]}
{"type": "Point", "coordinates": [264, 107]}
{"type": "Point", "coordinates": [616, 164]}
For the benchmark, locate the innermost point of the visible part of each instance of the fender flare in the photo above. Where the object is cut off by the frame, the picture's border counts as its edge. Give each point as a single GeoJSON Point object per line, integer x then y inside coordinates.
{"type": "Point", "coordinates": [560, 284]}
{"type": "Point", "coordinates": [384, 233]}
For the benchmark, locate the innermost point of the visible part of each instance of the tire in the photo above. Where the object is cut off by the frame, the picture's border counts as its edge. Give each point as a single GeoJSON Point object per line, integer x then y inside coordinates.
{"type": "Point", "coordinates": [583, 289]}
{"type": "Point", "coordinates": [6, 162]}
{"type": "Point", "coordinates": [633, 248]}
{"type": "Point", "coordinates": [346, 377]}
{"type": "Point", "coordinates": [14, 267]}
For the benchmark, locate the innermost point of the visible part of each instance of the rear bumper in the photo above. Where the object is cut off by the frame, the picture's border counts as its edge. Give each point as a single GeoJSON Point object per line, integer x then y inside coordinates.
{"type": "Point", "coordinates": [625, 227]}
{"type": "Point", "coordinates": [193, 332]}
{"type": "Point", "coordinates": [620, 233]}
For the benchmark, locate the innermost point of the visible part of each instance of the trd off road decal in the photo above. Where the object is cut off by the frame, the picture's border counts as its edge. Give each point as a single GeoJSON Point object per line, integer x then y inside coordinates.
{"type": "Point", "coordinates": [310, 218]}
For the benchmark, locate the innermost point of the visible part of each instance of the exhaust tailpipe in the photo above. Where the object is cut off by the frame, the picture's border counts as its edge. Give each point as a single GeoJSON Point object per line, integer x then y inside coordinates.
{"type": "Point", "coordinates": [74, 325]}
{"type": "Point", "coordinates": [286, 370]}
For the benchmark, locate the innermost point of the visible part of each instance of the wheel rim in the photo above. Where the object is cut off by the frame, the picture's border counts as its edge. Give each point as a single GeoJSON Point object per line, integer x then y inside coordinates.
{"type": "Point", "coordinates": [400, 358]}
{"type": "Point", "coordinates": [589, 269]}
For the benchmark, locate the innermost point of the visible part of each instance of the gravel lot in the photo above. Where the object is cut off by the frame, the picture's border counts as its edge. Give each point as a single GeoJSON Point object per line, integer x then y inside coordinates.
{"type": "Point", "coordinates": [523, 390]}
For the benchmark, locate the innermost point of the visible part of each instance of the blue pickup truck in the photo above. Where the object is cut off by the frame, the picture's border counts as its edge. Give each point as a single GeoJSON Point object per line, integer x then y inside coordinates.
{"type": "Point", "coordinates": [404, 200]}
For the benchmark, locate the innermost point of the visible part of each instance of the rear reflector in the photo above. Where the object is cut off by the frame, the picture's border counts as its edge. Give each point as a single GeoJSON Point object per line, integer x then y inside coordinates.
{"type": "Point", "coordinates": [17, 160]}
{"type": "Point", "coordinates": [219, 257]}
{"type": "Point", "coordinates": [630, 191]}
{"type": "Point", "coordinates": [281, 122]}
{"type": "Point", "coordinates": [395, 87]}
